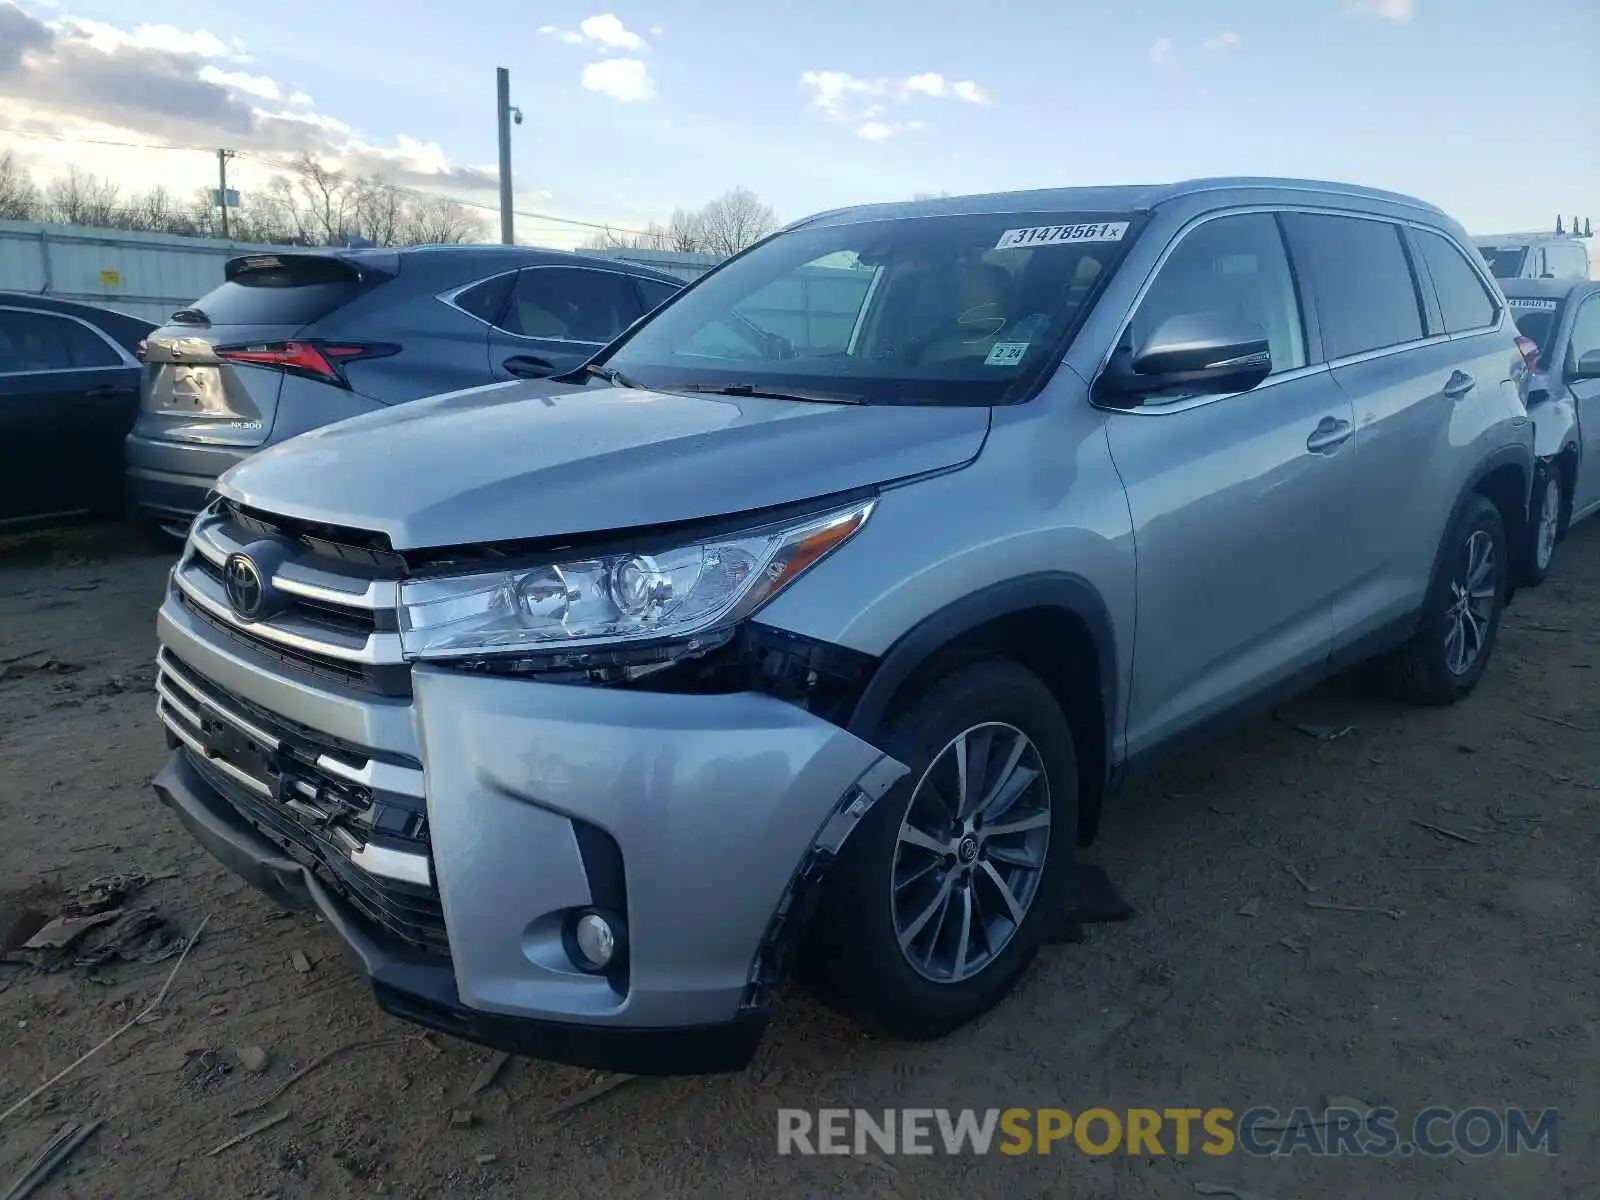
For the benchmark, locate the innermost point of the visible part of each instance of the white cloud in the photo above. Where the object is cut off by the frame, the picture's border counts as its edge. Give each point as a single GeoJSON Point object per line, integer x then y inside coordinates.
{"type": "Point", "coordinates": [625, 79]}
{"type": "Point", "coordinates": [881, 131]}
{"type": "Point", "coordinates": [605, 30]}
{"type": "Point", "coordinates": [1162, 52]}
{"type": "Point", "coordinates": [938, 87]}
{"type": "Point", "coordinates": [1223, 41]}
{"type": "Point", "coordinates": [163, 38]}
{"type": "Point", "coordinates": [1384, 10]}
{"type": "Point", "coordinates": [655, 31]}
{"type": "Point", "coordinates": [302, 99]}
{"type": "Point", "coordinates": [258, 86]}
{"type": "Point", "coordinates": [861, 105]}
{"type": "Point", "coordinates": [610, 32]}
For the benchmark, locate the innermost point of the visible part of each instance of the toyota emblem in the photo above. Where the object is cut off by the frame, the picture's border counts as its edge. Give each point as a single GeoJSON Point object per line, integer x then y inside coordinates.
{"type": "Point", "coordinates": [247, 591]}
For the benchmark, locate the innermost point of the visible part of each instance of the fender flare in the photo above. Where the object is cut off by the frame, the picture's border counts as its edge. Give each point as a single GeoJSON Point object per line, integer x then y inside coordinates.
{"type": "Point", "coordinates": [1063, 590]}
{"type": "Point", "coordinates": [1520, 457]}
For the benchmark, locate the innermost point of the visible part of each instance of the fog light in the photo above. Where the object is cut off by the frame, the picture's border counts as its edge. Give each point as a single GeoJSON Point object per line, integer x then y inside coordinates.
{"type": "Point", "coordinates": [596, 941]}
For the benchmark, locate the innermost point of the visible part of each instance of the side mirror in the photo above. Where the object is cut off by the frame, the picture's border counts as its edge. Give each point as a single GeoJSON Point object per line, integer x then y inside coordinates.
{"type": "Point", "coordinates": [1205, 353]}
{"type": "Point", "coordinates": [1587, 366]}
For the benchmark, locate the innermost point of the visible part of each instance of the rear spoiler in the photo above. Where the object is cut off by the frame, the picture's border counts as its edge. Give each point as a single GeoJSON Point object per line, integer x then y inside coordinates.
{"type": "Point", "coordinates": [364, 266]}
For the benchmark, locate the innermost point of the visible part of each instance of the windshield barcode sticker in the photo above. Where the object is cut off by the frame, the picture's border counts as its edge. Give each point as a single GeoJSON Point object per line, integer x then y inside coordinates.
{"type": "Point", "coordinates": [1055, 235]}
{"type": "Point", "coordinates": [1537, 305]}
{"type": "Point", "coordinates": [1006, 354]}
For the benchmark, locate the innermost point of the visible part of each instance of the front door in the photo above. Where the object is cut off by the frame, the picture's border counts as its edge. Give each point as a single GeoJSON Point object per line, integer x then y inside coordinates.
{"type": "Point", "coordinates": [1238, 502]}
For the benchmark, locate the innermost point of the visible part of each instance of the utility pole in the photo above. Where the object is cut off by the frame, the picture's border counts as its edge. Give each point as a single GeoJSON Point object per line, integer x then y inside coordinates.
{"type": "Point", "coordinates": [222, 187]}
{"type": "Point", "coordinates": [503, 91]}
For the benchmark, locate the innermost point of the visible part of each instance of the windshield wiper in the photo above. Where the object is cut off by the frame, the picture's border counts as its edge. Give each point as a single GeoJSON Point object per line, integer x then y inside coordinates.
{"type": "Point", "coordinates": [761, 393]}
{"type": "Point", "coordinates": [610, 374]}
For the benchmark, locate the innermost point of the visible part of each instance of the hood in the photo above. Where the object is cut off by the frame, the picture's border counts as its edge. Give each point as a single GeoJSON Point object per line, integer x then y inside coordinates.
{"type": "Point", "coordinates": [529, 460]}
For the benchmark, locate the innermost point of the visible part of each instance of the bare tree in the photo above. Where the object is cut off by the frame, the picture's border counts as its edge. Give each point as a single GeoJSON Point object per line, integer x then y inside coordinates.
{"type": "Point", "coordinates": [380, 211]}
{"type": "Point", "coordinates": [438, 221]}
{"type": "Point", "coordinates": [19, 197]}
{"type": "Point", "coordinates": [734, 220]}
{"type": "Point", "coordinates": [82, 198]}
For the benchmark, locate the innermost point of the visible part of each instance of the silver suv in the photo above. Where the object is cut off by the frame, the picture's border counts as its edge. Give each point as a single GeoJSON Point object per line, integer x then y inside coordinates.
{"type": "Point", "coordinates": [825, 609]}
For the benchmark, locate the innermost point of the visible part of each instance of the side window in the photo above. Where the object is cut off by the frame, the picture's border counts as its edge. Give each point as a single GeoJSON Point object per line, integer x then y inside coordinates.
{"type": "Point", "coordinates": [1574, 262]}
{"type": "Point", "coordinates": [88, 349]}
{"type": "Point", "coordinates": [487, 300]}
{"type": "Point", "coordinates": [1463, 300]}
{"type": "Point", "coordinates": [1357, 268]}
{"type": "Point", "coordinates": [1585, 339]}
{"type": "Point", "coordinates": [653, 292]}
{"type": "Point", "coordinates": [39, 342]}
{"type": "Point", "coordinates": [571, 304]}
{"type": "Point", "coordinates": [1234, 265]}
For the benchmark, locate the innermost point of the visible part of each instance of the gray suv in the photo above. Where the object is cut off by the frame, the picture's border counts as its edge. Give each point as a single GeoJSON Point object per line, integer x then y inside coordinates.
{"type": "Point", "coordinates": [293, 340]}
{"type": "Point", "coordinates": [819, 619]}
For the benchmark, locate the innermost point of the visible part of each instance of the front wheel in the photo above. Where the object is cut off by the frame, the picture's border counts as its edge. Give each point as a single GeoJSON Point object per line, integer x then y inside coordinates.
{"type": "Point", "coordinates": [943, 896]}
{"type": "Point", "coordinates": [1460, 616]}
{"type": "Point", "coordinates": [1538, 548]}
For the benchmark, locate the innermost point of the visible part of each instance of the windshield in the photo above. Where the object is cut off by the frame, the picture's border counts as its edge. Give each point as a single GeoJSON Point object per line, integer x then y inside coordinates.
{"type": "Point", "coordinates": [928, 310]}
{"type": "Point", "coordinates": [1537, 319]}
{"type": "Point", "coordinates": [1505, 262]}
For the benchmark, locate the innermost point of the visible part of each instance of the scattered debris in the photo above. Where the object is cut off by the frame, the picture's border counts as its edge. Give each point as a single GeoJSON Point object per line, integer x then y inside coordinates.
{"type": "Point", "coordinates": [206, 1068]}
{"type": "Point", "coordinates": [593, 1092]}
{"type": "Point", "coordinates": [461, 1118]}
{"type": "Point", "coordinates": [61, 932]}
{"type": "Point", "coordinates": [1250, 908]}
{"type": "Point", "coordinates": [17, 926]}
{"type": "Point", "coordinates": [301, 962]}
{"type": "Point", "coordinates": [260, 1126]}
{"type": "Point", "coordinates": [1292, 944]}
{"type": "Point", "coordinates": [320, 1061]}
{"type": "Point", "coordinates": [483, 1160]}
{"type": "Point", "coordinates": [489, 1072]}
{"type": "Point", "coordinates": [143, 1015]}
{"type": "Point", "coordinates": [1298, 878]}
{"type": "Point", "coordinates": [1447, 833]}
{"type": "Point", "coordinates": [1394, 914]}
{"type": "Point", "coordinates": [1325, 733]}
{"type": "Point", "coordinates": [1284, 1012]}
{"type": "Point", "coordinates": [251, 1058]}
{"type": "Point", "coordinates": [1558, 721]}
{"type": "Point", "coordinates": [57, 1150]}
{"type": "Point", "coordinates": [87, 585]}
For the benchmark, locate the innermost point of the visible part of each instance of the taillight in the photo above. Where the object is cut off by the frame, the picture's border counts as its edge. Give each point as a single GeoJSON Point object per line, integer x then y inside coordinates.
{"type": "Point", "coordinates": [1529, 349]}
{"type": "Point", "coordinates": [321, 360]}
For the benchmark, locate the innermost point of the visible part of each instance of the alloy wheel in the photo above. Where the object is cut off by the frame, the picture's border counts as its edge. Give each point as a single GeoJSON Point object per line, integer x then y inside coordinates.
{"type": "Point", "coordinates": [970, 853]}
{"type": "Point", "coordinates": [1473, 593]}
{"type": "Point", "coordinates": [1549, 523]}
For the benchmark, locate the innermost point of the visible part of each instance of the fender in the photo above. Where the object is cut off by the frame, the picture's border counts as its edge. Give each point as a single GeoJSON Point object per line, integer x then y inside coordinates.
{"type": "Point", "coordinates": [1520, 457]}
{"type": "Point", "coordinates": [1047, 589]}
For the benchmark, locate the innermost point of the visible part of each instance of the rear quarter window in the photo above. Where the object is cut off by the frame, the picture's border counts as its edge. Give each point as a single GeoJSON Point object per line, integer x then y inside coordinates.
{"type": "Point", "coordinates": [1464, 301]}
{"type": "Point", "coordinates": [1366, 296]}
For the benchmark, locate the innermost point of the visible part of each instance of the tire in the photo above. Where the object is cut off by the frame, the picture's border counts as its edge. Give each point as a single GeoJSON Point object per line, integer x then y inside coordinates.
{"type": "Point", "coordinates": [1546, 508]}
{"type": "Point", "coordinates": [853, 957]}
{"type": "Point", "coordinates": [1422, 671]}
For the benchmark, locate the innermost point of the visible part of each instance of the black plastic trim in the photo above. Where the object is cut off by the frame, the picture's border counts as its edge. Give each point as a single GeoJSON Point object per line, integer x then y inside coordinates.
{"type": "Point", "coordinates": [1047, 589]}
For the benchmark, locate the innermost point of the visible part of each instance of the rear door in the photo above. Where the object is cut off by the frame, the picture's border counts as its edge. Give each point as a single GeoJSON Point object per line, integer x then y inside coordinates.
{"type": "Point", "coordinates": [558, 317]}
{"type": "Point", "coordinates": [67, 398]}
{"type": "Point", "coordinates": [190, 393]}
{"type": "Point", "coordinates": [1582, 368]}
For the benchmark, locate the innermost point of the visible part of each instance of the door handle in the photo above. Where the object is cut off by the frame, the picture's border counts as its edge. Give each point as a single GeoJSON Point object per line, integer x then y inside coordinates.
{"type": "Point", "coordinates": [104, 392]}
{"type": "Point", "coordinates": [1459, 384]}
{"type": "Point", "coordinates": [527, 366]}
{"type": "Point", "coordinates": [1329, 435]}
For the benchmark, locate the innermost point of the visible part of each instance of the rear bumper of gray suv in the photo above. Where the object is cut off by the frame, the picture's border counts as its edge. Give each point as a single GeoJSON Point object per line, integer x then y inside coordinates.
{"type": "Point", "coordinates": [168, 482]}
{"type": "Point", "coordinates": [703, 821]}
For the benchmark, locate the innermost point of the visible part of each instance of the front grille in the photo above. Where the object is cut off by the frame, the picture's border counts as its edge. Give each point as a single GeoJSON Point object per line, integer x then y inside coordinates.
{"type": "Point", "coordinates": [355, 818]}
{"type": "Point", "coordinates": [334, 616]}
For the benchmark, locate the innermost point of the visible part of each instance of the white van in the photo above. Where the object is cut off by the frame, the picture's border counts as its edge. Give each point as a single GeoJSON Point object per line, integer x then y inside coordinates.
{"type": "Point", "coordinates": [1535, 256]}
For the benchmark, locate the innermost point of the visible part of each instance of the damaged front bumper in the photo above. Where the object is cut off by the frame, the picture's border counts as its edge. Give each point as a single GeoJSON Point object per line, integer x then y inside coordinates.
{"type": "Point", "coordinates": [701, 824]}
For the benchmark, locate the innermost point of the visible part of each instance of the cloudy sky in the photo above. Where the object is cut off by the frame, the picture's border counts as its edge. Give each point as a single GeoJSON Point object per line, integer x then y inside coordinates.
{"type": "Point", "coordinates": [643, 105]}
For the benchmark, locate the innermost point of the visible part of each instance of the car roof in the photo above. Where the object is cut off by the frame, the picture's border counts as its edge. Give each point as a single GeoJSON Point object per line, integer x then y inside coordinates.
{"type": "Point", "coordinates": [93, 313]}
{"type": "Point", "coordinates": [1546, 289]}
{"type": "Point", "coordinates": [1525, 239]}
{"type": "Point", "coordinates": [487, 257]}
{"type": "Point", "coordinates": [1130, 198]}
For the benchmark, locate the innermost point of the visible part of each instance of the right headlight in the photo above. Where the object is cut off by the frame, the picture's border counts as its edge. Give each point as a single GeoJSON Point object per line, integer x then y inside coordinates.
{"type": "Point", "coordinates": [610, 600]}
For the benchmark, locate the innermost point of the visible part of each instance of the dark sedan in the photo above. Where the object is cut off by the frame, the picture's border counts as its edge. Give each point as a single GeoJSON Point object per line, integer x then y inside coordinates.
{"type": "Point", "coordinates": [69, 393]}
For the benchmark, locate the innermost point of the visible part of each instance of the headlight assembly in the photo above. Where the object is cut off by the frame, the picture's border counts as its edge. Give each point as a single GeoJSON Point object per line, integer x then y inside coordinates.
{"type": "Point", "coordinates": [608, 601]}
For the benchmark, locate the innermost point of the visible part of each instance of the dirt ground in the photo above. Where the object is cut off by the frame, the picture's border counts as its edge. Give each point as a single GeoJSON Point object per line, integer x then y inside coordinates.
{"type": "Point", "coordinates": [1478, 988]}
